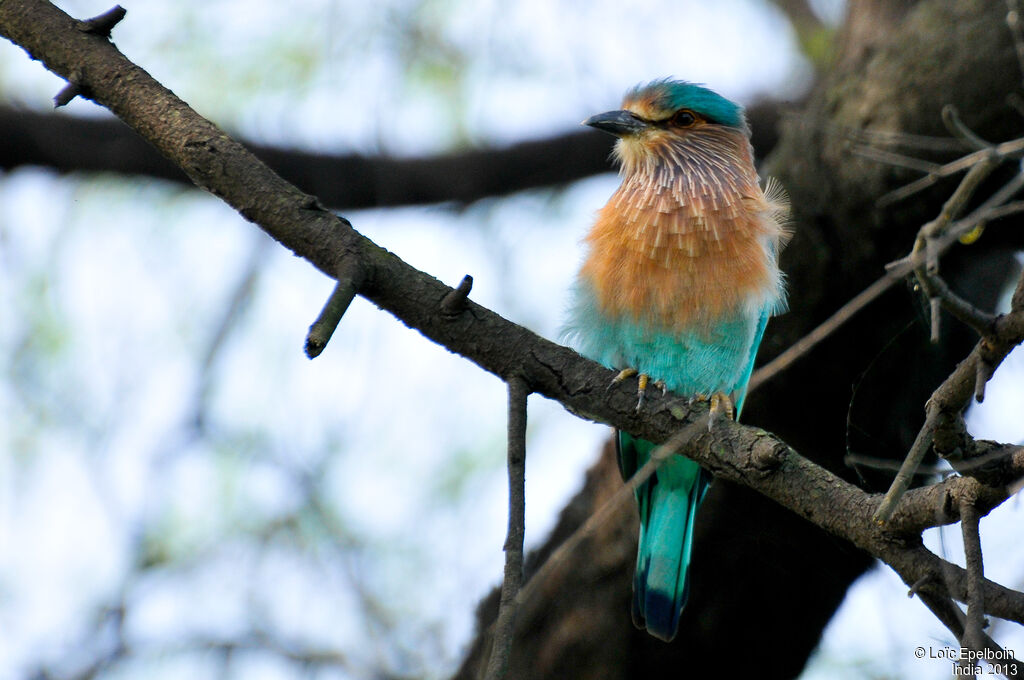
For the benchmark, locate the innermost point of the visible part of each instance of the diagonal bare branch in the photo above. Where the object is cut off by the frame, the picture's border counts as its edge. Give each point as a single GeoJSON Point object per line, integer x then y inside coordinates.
{"type": "Point", "coordinates": [504, 627]}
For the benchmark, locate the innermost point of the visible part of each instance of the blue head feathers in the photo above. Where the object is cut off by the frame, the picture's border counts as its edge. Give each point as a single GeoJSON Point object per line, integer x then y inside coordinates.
{"type": "Point", "coordinates": [668, 96]}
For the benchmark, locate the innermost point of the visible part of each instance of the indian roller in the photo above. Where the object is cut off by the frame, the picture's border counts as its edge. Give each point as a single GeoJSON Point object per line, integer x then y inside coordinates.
{"type": "Point", "coordinates": [678, 283]}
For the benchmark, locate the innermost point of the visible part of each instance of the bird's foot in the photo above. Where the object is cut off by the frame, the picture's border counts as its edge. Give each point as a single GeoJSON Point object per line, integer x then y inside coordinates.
{"type": "Point", "coordinates": [642, 381]}
{"type": "Point", "coordinates": [721, 405]}
{"type": "Point", "coordinates": [623, 374]}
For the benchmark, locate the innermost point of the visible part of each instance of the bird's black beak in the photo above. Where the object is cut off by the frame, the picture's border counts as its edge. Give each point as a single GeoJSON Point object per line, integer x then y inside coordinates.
{"type": "Point", "coordinates": [618, 123]}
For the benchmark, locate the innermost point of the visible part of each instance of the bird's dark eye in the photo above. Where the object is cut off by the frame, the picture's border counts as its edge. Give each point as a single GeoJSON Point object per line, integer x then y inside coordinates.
{"type": "Point", "coordinates": [684, 118]}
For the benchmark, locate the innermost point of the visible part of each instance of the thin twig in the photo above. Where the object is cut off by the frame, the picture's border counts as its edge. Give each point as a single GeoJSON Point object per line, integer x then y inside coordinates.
{"type": "Point", "coordinates": [969, 524]}
{"type": "Point", "coordinates": [504, 628]}
{"type": "Point", "coordinates": [897, 159]}
{"type": "Point", "coordinates": [1011, 149]}
{"type": "Point", "coordinates": [1005, 209]}
{"type": "Point", "coordinates": [995, 206]}
{"type": "Point", "coordinates": [330, 316]}
{"type": "Point", "coordinates": [983, 372]}
{"type": "Point", "coordinates": [934, 307]}
{"type": "Point", "coordinates": [1013, 20]}
{"type": "Point", "coordinates": [905, 140]}
{"type": "Point", "coordinates": [876, 463]}
{"type": "Point", "coordinates": [1000, 452]}
{"type": "Point", "coordinates": [68, 92]}
{"type": "Point", "coordinates": [979, 320]}
{"type": "Point", "coordinates": [951, 118]}
{"type": "Point", "coordinates": [907, 469]}
{"type": "Point", "coordinates": [104, 23]}
{"type": "Point", "coordinates": [953, 206]}
{"type": "Point", "coordinates": [928, 235]}
{"type": "Point", "coordinates": [455, 301]}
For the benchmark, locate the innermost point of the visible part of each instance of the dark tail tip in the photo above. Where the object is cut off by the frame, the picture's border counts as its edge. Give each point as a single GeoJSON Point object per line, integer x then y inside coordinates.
{"type": "Point", "coordinates": [658, 612]}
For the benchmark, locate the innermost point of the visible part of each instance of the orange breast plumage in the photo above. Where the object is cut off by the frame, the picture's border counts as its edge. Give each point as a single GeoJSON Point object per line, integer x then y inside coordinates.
{"type": "Point", "coordinates": [689, 235]}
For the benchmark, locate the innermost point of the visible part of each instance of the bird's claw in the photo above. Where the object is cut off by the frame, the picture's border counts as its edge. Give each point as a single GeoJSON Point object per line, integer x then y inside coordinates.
{"type": "Point", "coordinates": [721, 405]}
{"type": "Point", "coordinates": [623, 374]}
{"type": "Point", "coordinates": [641, 388]}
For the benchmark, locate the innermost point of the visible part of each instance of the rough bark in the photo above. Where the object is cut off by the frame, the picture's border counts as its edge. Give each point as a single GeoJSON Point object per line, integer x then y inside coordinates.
{"type": "Point", "coordinates": [764, 582]}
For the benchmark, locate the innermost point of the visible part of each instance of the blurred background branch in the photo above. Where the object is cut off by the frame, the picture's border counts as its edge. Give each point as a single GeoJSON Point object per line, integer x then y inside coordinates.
{"type": "Point", "coordinates": [342, 181]}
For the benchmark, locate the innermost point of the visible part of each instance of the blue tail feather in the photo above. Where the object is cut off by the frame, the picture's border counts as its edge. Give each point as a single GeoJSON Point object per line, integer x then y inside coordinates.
{"type": "Point", "coordinates": [668, 505]}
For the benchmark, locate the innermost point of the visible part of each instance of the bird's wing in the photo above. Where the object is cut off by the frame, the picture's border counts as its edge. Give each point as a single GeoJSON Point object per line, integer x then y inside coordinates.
{"type": "Point", "coordinates": [741, 391]}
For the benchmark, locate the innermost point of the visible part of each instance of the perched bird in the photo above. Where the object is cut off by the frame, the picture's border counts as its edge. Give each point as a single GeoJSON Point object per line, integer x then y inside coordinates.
{"type": "Point", "coordinates": [678, 284]}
